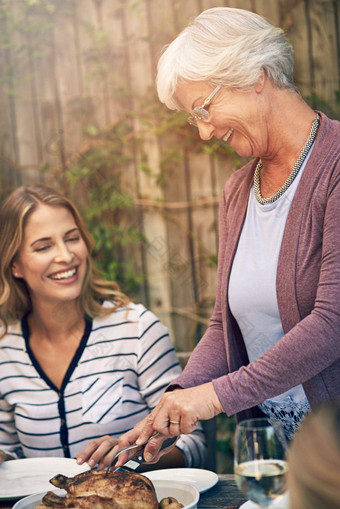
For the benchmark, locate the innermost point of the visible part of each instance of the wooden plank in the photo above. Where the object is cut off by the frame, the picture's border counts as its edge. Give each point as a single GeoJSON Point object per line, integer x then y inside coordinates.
{"type": "Point", "coordinates": [48, 100]}
{"type": "Point", "coordinates": [186, 12]}
{"type": "Point", "coordinates": [115, 87]}
{"type": "Point", "coordinates": [100, 58]}
{"type": "Point", "coordinates": [129, 178]}
{"type": "Point", "coordinates": [180, 264]}
{"type": "Point", "coordinates": [324, 42]}
{"type": "Point", "coordinates": [203, 233]}
{"type": "Point", "coordinates": [312, 30]}
{"type": "Point", "coordinates": [8, 131]}
{"type": "Point", "coordinates": [269, 10]}
{"type": "Point", "coordinates": [297, 33]}
{"type": "Point", "coordinates": [67, 93]}
{"type": "Point", "coordinates": [240, 4]}
{"type": "Point", "coordinates": [156, 255]}
{"type": "Point", "coordinates": [88, 29]}
{"type": "Point", "coordinates": [26, 129]}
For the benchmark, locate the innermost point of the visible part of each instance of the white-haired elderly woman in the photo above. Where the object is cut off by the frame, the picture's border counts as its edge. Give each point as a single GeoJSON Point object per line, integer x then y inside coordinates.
{"type": "Point", "coordinates": [273, 345]}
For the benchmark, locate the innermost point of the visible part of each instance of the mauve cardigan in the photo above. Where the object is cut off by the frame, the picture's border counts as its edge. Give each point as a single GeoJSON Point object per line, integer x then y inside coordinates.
{"type": "Point", "coordinates": [308, 293]}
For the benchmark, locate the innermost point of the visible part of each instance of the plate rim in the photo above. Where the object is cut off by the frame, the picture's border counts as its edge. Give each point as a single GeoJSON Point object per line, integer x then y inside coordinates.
{"type": "Point", "coordinates": [10, 466]}
{"type": "Point", "coordinates": [37, 495]}
{"type": "Point", "coordinates": [188, 470]}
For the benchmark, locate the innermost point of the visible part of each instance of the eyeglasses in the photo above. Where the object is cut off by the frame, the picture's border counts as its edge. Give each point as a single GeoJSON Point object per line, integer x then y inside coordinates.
{"type": "Point", "coordinates": [200, 113]}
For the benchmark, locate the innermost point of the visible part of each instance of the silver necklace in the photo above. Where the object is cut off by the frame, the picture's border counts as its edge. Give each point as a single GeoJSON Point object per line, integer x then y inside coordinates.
{"type": "Point", "coordinates": [293, 173]}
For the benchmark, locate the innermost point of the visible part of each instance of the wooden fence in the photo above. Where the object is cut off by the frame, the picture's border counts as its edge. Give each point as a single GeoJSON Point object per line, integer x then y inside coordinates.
{"type": "Point", "coordinates": [69, 68]}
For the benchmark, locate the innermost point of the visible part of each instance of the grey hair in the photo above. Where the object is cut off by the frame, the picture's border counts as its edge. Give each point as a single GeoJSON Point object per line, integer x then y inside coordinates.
{"type": "Point", "coordinates": [228, 47]}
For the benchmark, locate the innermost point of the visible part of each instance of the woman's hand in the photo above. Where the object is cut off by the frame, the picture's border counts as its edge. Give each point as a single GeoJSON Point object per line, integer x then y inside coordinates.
{"type": "Point", "coordinates": [180, 410]}
{"type": "Point", "coordinates": [102, 450]}
{"type": "Point", "coordinates": [5, 457]}
{"type": "Point", "coordinates": [99, 451]}
{"type": "Point", "coordinates": [177, 412]}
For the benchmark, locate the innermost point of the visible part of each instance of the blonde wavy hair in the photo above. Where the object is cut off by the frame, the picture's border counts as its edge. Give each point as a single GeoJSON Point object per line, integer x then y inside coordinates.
{"type": "Point", "coordinates": [314, 460]}
{"type": "Point", "coordinates": [228, 47]}
{"type": "Point", "coordinates": [15, 301]}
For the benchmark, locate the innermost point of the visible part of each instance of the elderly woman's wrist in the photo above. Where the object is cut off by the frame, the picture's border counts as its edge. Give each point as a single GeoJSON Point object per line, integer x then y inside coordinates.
{"type": "Point", "coordinates": [216, 401]}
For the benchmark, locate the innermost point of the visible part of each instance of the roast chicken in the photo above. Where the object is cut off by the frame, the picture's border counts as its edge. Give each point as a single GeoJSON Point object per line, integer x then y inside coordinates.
{"type": "Point", "coordinates": [94, 489]}
{"type": "Point", "coordinates": [97, 489]}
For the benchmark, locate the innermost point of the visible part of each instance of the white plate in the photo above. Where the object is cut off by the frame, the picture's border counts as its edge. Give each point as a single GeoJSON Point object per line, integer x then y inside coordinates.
{"type": "Point", "coordinates": [183, 492]}
{"type": "Point", "coordinates": [33, 500]}
{"type": "Point", "coordinates": [19, 478]}
{"type": "Point", "coordinates": [203, 480]}
{"type": "Point", "coordinates": [282, 503]}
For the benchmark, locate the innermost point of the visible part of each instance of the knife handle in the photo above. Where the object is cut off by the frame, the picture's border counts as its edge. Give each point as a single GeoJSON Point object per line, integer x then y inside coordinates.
{"type": "Point", "coordinates": [133, 463]}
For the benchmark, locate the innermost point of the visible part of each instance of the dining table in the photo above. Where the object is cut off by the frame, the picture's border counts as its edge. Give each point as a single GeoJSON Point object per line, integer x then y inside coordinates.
{"type": "Point", "coordinates": [224, 495]}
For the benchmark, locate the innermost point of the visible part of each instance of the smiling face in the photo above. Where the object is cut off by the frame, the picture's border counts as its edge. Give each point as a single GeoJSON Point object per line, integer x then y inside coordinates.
{"type": "Point", "coordinates": [236, 117]}
{"type": "Point", "coordinates": [53, 256]}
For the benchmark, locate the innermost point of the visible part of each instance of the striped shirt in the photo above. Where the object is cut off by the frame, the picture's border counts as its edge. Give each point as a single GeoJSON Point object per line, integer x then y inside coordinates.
{"type": "Point", "coordinates": [120, 370]}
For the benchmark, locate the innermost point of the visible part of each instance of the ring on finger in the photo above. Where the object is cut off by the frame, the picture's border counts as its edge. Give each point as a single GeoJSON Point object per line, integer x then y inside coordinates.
{"type": "Point", "coordinates": [174, 422]}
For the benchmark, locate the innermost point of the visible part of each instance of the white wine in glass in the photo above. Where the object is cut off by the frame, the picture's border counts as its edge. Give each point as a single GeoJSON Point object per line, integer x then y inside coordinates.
{"type": "Point", "coordinates": [260, 465]}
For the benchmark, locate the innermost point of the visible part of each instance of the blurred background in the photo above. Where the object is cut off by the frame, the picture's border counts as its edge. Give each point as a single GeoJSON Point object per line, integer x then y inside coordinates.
{"type": "Point", "coordinates": [79, 111]}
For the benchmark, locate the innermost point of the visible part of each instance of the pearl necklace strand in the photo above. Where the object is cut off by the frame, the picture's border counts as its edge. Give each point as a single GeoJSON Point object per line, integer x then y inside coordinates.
{"type": "Point", "coordinates": [293, 173]}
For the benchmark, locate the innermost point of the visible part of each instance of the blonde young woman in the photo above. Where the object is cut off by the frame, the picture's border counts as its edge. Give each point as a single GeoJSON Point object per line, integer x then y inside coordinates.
{"type": "Point", "coordinates": [79, 362]}
{"type": "Point", "coordinates": [272, 346]}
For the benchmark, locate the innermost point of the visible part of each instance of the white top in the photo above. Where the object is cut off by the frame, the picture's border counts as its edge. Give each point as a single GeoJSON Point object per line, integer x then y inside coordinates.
{"type": "Point", "coordinates": [118, 374]}
{"type": "Point", "coordinates": [252, 293]}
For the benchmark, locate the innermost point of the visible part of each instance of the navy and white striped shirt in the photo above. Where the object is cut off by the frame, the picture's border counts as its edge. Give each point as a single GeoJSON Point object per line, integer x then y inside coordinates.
{"type": "Point", "coordinates": [124, 362]}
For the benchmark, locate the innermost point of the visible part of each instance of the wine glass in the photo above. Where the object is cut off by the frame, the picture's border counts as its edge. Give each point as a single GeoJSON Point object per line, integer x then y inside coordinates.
{"type": "Point", "coordinates": [260, 466]}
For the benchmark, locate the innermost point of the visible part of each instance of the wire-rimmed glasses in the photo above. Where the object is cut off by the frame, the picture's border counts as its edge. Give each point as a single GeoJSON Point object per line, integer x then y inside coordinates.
{"type": "Point", "coordinates": [199, 112]}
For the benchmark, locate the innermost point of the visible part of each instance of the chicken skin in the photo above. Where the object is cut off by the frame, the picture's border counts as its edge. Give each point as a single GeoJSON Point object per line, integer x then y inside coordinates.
{"type": "Point", "coordinates": [100, 490]}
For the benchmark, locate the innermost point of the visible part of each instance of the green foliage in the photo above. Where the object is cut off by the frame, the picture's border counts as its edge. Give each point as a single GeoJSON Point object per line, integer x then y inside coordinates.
{"type": "Point", "coordinates": [212, 260]}
{"type": "Point", "coordinates": [94, 181]}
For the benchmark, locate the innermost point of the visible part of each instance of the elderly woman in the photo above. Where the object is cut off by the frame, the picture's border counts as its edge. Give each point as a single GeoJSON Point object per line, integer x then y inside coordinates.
{"type": "Point", "coordinates": [272, 346]}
